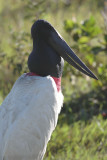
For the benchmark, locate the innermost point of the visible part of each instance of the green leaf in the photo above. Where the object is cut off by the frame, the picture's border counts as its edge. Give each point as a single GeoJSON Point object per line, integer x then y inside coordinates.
{"type": "Point", "coordinates": [90, 58]}
{"type": "Point", "coordinates": [89, 27]}
{"type": "Point", "coordinates": [89, 22]}
{"type": "Point", "coordinates": [83, 39]}
{"type": "Point", "coordinates": [69, 25]}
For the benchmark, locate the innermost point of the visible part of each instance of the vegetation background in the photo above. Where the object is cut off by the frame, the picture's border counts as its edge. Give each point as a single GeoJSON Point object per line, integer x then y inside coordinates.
{"type": "Point", "coordinates": [81, 132]}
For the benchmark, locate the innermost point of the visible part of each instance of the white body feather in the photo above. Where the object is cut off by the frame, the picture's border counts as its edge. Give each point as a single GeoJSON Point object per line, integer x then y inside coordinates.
{"type": "Point", "coordinates": [28, 117]}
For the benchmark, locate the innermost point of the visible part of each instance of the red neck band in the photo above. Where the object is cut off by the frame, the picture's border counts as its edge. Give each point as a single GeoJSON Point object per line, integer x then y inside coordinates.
{"type": "Point", "coordinates": [57, 80]}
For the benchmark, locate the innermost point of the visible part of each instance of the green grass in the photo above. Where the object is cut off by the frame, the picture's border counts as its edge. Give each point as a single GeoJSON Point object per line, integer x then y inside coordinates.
{"type": "Point", "coordinates": [79, 140]}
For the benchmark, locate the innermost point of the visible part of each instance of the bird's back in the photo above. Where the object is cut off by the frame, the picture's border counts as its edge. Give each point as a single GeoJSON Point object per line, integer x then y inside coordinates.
{"type": "Point", "coordinates": [28, 116]}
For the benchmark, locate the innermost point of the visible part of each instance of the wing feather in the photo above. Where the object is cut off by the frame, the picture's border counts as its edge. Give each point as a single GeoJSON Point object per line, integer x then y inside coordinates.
{"type": "Point", "coordinates": [28, 117]}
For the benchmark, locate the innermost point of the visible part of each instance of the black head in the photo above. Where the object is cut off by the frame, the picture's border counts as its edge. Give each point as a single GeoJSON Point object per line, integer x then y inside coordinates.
{"type": "Point", "coordinates": [41, 28]}
{"type": "Point", "coordinates": [49, 50]}
{"type": "Point", "coordinates": [44, 59]}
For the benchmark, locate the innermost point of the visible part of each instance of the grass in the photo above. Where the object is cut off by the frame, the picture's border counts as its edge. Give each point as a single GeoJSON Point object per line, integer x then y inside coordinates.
{"type": "Point", "coordinates": [79, 140]}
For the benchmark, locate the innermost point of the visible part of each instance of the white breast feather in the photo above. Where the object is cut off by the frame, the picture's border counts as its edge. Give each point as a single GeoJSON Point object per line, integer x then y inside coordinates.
{"type": "Point", "coordinates": [28, 117]}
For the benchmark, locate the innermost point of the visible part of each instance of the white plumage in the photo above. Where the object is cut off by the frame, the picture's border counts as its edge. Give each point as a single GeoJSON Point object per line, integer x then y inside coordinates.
{"type": "Point", "coordinates": [28, 117]}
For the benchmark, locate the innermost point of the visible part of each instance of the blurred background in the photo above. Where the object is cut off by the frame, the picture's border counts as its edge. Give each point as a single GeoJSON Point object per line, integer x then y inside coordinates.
{"type": "Point", "coordinates": [81, 132]}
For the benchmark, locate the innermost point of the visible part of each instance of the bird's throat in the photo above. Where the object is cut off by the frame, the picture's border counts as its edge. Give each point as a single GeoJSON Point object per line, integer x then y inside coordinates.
{"type": "Point", "coordinates": [56, 80]}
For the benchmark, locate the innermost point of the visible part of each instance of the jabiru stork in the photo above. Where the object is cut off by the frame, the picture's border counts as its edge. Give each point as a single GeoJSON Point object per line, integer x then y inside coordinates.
{"type": "Point", "coordinates": [29, 113]}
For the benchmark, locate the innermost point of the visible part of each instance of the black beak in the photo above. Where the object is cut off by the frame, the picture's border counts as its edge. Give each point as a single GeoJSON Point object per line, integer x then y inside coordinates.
{"type": "Point", "coordinates": [61, 47]}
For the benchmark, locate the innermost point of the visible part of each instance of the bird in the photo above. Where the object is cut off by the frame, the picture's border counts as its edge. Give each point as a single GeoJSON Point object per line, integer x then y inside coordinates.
{"type": "Point", "coordinates": [29, 113]}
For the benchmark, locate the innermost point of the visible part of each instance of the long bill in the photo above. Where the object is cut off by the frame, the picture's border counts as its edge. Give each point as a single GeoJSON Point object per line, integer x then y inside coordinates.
{"type": "Point", "coordinates": [66, 52]}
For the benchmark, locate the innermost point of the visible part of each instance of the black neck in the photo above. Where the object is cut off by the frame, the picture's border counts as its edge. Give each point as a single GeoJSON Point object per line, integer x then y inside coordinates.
{"type": "Point", "coordinates": [44, 61]}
